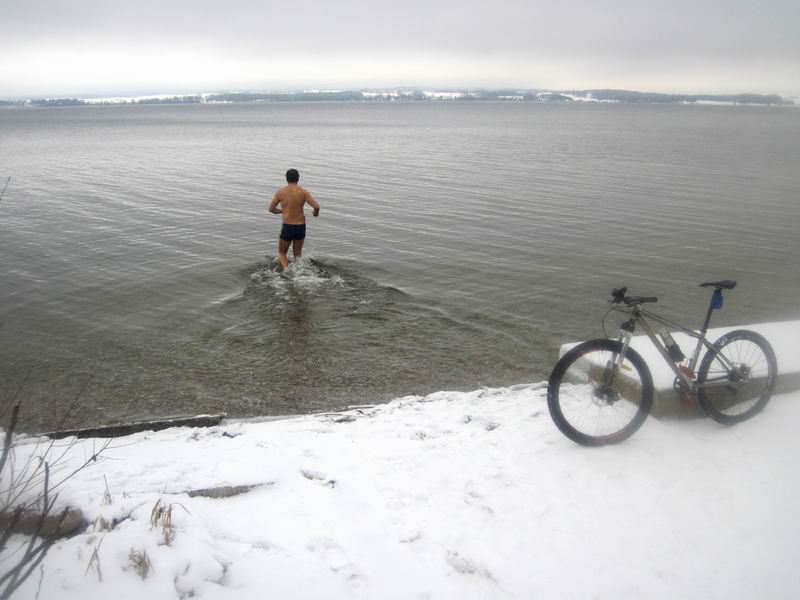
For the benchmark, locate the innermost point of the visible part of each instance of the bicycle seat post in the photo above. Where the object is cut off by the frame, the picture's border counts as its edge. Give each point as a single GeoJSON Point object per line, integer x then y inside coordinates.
{"type": "Point", "coordinates": [716, 302]}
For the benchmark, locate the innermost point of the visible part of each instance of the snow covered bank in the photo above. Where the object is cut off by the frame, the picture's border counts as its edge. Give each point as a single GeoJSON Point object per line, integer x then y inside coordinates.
{"type": "Point", "coordinates": [451, 496]}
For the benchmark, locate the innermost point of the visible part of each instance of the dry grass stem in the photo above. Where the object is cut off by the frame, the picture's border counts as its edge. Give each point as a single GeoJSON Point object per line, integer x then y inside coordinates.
{"type": "Point", "coordinates": [155, 514]}
{"type": "Point", "coordinates": [94, 562]}
{"type": "Point", "coordinates": [100, 524]}
{"type": "Point", "coordinates": [107, 499]}
{"type": "Point", "coordinates": [161, 515]}
{"type": "Point", "coordinates": [141, 562]}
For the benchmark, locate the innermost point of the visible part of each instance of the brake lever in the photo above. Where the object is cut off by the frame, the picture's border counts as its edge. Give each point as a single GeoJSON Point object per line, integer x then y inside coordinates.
{"type": "Point", "coordinates": [618, 295]}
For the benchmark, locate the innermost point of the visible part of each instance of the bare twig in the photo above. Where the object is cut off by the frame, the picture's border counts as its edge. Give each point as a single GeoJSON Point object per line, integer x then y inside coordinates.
{"type": "Point", "coordinates": [10, 528]}
{"type": "Point", "coordinates": [41, 579]}
{"type": "Point", "coordinates": [64, 417]}
{"type": "Point", "coordinates": [74, 403]}
{"type": "Point", "coordinates": [30, 489]}
{"type": "Point", "coordinates": [14, 480]}
{"type": "Point", "coordinates": [39, 555]}
{"type": "Point", "coordinates": [4, 188]}
{"type": "Point", "coordinates": [30, 553]}
{"type": "Point", "coordinates": [13, 400]}
{"type": "Point", "coordinates": [33, 554]}
{"type": "Point", "coordinates": [27, 480]}
{"type": "Point", "coordinates": [35, 479]}
{"type": "Point", "coordinates": [93, 458]}
{"type": "Point", "coordinates": [9, 435]}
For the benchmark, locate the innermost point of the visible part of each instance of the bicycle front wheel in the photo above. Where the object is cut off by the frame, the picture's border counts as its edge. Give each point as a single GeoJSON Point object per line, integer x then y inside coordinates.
{"type": "Point", "coordinates": [589, 406]}
{"type": "Point", "coordinates": [736, 378]}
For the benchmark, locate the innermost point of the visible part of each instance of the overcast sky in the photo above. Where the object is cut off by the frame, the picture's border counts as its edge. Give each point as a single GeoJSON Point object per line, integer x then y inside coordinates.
{"type": "Point", "coordinates": [107, 47]}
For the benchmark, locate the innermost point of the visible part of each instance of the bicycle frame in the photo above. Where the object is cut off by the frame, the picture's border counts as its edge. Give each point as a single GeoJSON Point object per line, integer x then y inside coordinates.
{"type": "Point", "coordinates": [640, 316]}
{"type": "Point", "coordinates": [601, 390]}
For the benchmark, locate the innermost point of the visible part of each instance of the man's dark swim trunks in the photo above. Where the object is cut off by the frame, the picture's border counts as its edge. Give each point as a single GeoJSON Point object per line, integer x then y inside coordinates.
{"type": "Point", "coordinates": [293, 232]}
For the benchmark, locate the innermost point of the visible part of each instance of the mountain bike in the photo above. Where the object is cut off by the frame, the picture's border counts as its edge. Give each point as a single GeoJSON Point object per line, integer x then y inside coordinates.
{"type": "Point", "coordinates": [601, 391]}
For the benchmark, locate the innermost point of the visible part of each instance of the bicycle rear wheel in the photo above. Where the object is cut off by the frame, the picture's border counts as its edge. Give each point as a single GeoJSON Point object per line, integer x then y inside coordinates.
{"type": "Point", "coordinates": [737, 377]}
{"type": "Point", "coordinates": [591, 412]}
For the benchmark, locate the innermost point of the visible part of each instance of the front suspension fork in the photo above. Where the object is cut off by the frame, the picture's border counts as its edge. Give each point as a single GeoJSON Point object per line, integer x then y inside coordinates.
{"type": "Point", "coordinates": [615, 362]}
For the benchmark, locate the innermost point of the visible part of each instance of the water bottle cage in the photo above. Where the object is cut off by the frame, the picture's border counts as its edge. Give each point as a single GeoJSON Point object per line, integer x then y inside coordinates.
{"type": "Point", "coordinates": [672, 347]}
{"type": "Point", "coordinates": [675, 353]}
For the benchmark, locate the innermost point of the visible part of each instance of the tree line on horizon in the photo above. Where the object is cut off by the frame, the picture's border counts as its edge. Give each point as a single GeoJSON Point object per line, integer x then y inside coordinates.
{"type": "Point", "coordinates": [607, 95]}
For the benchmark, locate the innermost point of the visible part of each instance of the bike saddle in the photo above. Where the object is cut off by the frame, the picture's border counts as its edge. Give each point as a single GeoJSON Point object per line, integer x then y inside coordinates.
{"type": "Point", "coordinates": [727, 284]}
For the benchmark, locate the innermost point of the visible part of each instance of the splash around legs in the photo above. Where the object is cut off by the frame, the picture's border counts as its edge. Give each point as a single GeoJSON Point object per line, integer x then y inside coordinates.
{"type": "Point", "coordinates": [283, 249]}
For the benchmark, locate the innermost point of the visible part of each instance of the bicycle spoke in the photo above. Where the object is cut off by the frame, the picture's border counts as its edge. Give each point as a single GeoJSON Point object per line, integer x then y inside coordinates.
{"type": "Point", "coordinates": [593, 408]}
{"type": "Point", "coordinates": [739, 375]}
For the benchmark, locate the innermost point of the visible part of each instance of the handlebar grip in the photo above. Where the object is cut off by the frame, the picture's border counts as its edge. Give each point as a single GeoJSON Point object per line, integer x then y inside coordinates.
{"type": "Point", "coordinates": [648, 299]}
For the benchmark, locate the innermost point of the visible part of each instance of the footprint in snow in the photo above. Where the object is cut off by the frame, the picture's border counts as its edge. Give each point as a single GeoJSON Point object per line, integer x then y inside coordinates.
{"type": "Point", "coordinates": [317, 476]}
{"type": "Point", "coordinates": [327, 550]}
{"type": "Point", "coordinates": [467, 567]}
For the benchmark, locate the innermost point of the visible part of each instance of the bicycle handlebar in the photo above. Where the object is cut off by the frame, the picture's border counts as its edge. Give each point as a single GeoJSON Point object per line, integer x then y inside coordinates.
{"type": "Point", "coordinates": [618, 297]}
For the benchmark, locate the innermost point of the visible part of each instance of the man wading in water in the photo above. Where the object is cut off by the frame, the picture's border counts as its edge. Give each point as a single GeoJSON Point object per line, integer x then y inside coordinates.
{"type": "Point", "coordinates": [292, 198]}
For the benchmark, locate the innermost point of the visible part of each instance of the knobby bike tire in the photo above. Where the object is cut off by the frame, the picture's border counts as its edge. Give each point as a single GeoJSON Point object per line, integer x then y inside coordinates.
{"type": "Point", "coordinates": [731, 404]}
{"type": "Point", "coordinates": [559, 395]}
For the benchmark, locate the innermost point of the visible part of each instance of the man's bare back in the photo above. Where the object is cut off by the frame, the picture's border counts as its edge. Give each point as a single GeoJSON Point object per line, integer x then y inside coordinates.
{"type": "Point", "coordinates": [292, 199]}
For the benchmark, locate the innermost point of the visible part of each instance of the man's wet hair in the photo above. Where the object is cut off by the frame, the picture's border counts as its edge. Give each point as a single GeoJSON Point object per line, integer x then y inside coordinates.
{"type": "Point", "coordinates": [292, 176]}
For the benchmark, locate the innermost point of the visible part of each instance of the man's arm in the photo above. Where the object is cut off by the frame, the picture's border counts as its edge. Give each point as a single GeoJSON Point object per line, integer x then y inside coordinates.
{"type": "Point", "coordinates": [273, 206]}
{"type": "Point", "coordinates": [314, 204]}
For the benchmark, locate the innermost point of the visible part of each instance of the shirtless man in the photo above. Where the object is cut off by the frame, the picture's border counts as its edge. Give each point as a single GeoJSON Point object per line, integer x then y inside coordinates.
{"type": "Point", "coordinates": [292, 198]}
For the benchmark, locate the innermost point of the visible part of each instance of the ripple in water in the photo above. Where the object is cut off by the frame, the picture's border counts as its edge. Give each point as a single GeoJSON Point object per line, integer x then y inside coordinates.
{"type": "Point", "coordinates": [463, 244]}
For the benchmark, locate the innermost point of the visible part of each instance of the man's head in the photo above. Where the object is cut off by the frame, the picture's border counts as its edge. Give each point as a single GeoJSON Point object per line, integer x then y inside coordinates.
{"type": "Point", "coordinates": [292, 176]}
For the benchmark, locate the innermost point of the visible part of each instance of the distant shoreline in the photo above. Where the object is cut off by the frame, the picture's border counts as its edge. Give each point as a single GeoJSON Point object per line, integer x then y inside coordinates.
{"type": "Point", "coordinates": [540, 96]}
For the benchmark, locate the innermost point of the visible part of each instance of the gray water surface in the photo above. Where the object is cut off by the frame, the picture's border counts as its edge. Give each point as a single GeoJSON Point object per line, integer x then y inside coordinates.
{"type": "Point", "coordinates": [459, 245]}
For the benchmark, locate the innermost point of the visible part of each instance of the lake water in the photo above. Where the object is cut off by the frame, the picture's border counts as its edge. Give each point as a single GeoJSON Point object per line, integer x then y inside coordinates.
{"type": "Point", "coordinates": [459, 245]}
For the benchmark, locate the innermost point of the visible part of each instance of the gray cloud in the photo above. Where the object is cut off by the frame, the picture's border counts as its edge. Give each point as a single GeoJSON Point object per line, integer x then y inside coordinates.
{"type": "Point", "coordinates": [732, 45]}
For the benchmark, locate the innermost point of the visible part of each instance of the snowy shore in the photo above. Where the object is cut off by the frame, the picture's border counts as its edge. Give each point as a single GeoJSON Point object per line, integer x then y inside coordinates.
{"type": "Point", "coordinates": [450, 496]}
